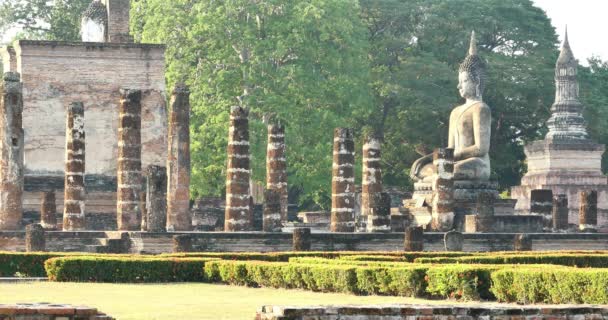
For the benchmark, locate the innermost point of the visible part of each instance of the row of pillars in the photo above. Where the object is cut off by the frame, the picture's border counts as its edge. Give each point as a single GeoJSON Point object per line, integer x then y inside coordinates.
{"type": "Point", "coordinates": [163, 205]}
{"type": "Point", "coordinates": [554, 209]}
{"type": "Point", "coordinates": [238, 216]}
{"type": "Point", "coordinates": [239, 203]}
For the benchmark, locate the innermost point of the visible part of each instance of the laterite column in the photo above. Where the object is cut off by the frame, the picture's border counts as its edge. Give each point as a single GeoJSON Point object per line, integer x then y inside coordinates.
{"type": "Point", "coordinates": [372, 175]}
{"type": "Point", "coordinates": [129, 161]}
{"type": "Point", "coordinates": [560, 212]}
{"type": "Point", "coordinates": [443, 190]}
{"type": "Point", "coordinates": [588, 211]}
{"type": "Point", "coordinates": [301, 239]}
{"type": "Point", "coordinates": [178, 162]}
{"type": "Point", "coordinates": [414, 239]}
{"type": "Point", "coordinates": [379, 217]}
{"type": "Point", "coordinates": [156, 199]}
{"type": "Point", "coordinates": [238, 207]}
{"type": "Point", "coordinates": [74, 190]}
{"type": "Point", "coordinates": [35, 240]}
{"type": "Point", "coordinates": [343, 182]}
{"type": "Point", "coordinates": [11, 152]}
{"type": "Point", "coordinates": [48, 210]}
{"type": "Point", "coordinates": [276, 165]}
{"type": "Point", "coordinates": [272, 211]}
{"type": "Point", "coordinates": [485, 212]}
{"type": "Point", "coordinates": [541, 203]}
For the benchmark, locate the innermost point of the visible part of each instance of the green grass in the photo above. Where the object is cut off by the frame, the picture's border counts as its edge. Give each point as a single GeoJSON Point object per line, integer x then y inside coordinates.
{"type": "Point", "coordinates": [176, 301]}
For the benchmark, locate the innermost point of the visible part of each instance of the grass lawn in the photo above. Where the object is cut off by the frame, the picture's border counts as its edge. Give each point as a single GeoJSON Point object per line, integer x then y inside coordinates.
{"type": "Point", "coordinates": [176, 301]}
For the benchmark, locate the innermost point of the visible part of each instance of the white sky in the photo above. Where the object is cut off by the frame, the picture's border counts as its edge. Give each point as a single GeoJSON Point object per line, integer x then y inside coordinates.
{"type": "Point", "coordinates": [587, 25]}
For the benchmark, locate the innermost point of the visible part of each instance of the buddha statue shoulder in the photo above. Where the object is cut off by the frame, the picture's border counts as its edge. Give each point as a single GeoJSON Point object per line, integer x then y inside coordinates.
{"type": "Point", "coordinates": [469, 127]}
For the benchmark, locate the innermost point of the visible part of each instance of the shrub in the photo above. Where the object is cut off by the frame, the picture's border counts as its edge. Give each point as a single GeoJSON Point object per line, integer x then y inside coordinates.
{"type": "Point", "coordinates": [407, 281]}
{"type": "Point", "coordinates": [125, 269]}
{"type": "Point", "coordinates": [463, 282]}
{"type": "Point", "coordinates": [563, 285]}
{"type": "Point", "coordinates": [585, 260]}
{"type": "Point", "coordinates": [326, 278]}
{"type": "Point", "coordinates": [26, 264]}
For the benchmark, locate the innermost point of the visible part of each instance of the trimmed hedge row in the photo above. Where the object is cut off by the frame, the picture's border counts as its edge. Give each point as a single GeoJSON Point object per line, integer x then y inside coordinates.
{"type": "Point", "coordinates": [405, 281]}
{"type": "Point", "coordinates": [574, 260]}
{"type": "Point", "coordinates": [125, 269]}
{"type": "Point", "coordinates": [556, 286]}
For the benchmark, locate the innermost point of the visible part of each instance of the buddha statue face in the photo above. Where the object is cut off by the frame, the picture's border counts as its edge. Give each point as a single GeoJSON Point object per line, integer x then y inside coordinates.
{"type": "Point", "coordinates": [468, 86]}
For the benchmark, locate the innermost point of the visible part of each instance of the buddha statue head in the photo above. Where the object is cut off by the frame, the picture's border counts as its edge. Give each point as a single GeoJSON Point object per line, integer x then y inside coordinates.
{"type": "Point", "coordinates": [94, 24]}
{"type": "Point", "coordinates": [471, 73]}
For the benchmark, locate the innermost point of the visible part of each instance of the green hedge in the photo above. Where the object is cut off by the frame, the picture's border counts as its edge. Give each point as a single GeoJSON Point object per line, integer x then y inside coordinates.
{"type": "Point", "coordinates": [462, 282]}
{"type": "Point", "coordinates": [556, 286]}
{"type": "Point", "coordinates": [593, 260]}
{"type": "Point", "coordinates": [24, 264]}
{"type": "Point", "coordinates": [125, 269]}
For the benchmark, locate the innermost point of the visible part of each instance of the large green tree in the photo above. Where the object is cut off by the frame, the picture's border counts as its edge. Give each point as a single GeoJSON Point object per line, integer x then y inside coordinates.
{"type": "Point", "coordinates": [43, 19]}
{"type": "Point", "coordinates": [416, 48]}
{"type": "Point", "coordinates": [302, 63]}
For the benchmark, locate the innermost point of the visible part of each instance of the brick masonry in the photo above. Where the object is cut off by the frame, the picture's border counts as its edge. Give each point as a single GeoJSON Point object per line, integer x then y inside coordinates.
{"type": "Point", "coordinates": [436, 312]}
{"type": "Point", "coordinates": [47, 311]}
{"type": "Point", "coordinates": [141, 242]}
{"type": "Point", "coordinates": [178, 161]}
{"type": "Point", "coordinates": [56, 73]}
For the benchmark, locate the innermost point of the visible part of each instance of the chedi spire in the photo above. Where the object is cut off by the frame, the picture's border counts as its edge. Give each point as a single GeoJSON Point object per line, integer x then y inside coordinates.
{"type": "Point", "coordinates": [566, 121]}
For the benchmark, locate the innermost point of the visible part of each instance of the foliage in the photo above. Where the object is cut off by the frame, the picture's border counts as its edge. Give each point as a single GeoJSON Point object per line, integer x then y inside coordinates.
{"type": "Point", "coordinates": [582, 260]}
{"type": "Point", "coordinates": [125, 269]}
{"type": "Point", "coordinates": [572, 286]}
{"type": "Point", "coordinates": [416, 48]}
{"type": "Point", "coordinates": [593, 81]}
{"type": "Point", "coordinates": [301, 63]}
{"type": "Point", "coordinates": [42, 19]}
{"type": "Point", "coordinates": [463, 282]}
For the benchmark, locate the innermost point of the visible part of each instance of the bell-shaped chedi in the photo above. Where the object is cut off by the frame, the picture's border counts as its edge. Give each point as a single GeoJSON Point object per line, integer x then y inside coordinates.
{"type": "Point", "coordinates": [567, 161]}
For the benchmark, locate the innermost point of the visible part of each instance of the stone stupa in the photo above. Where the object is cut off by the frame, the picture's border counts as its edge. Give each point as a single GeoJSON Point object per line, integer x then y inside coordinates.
{"type": "Point", "coordinates": [567, 161]}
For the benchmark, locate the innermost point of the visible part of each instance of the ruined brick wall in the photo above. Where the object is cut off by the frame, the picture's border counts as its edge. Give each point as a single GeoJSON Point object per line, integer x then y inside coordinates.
{"type": "Point", "coordinates": [57, 73]}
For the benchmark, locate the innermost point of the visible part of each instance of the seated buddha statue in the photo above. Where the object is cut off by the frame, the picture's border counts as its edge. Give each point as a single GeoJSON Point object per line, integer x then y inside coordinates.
{"type": "Point", "coordinates": [469, 128]}
{"type": "Point", "coordinates": [94, 22]}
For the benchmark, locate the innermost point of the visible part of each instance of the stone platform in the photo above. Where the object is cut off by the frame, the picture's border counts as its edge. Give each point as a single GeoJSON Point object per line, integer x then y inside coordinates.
{"type": "Point", "coordinates": [490, 311]}
{"type": "Point", "coordinates": [155, 243]}
{"type": "Point", "coordinates": [465, 202]}
{"type": "Point", "coordinates": [564, 167]}
{"type": "Point", "coordinates": [47, 311]}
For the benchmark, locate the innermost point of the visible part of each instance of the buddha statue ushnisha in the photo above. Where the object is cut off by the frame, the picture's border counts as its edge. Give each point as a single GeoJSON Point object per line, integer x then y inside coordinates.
{"type": "Point", "coordinates": [93, 26]}
{"type": "Point", "coordinates": [470, 127]}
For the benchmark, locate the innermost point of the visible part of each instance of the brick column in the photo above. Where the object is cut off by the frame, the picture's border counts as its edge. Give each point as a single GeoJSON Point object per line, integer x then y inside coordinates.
{"type": "Point", "coordinates": [485, 212]}
{"type": "Point", "coordinates": [301, 239]}
{"type": "Point", "coordinates": [74, 190]}
{"type": "Point", "coordinates": [453, 241]}
{"type": "Point", "coordinates": [156, 203]}
{"type": "Point", "coordinates": [182, 243]}
{"type": "Point", "coordinates": [178, 162]}
{"type": "Point", "coordinates": [129, 161]}
{"type": "Point", "coordinates": [522, 242]}
{"type": "Point", "coordinates": [541, 203]}
{"type": "Point", "coordinates": [272, 211]}
{"type": "Point", "coordinates": [34, 238]}
{"type": "Point", "coordinates": [238, 207]}
{"type": "Point", "coordinates": [414, 239]}
{"type": "Point", "coordinates": [443, 190]}
{"type": "Point", "coordinates": [379, 217]}
{"type": "Point", "coordinates": [588, 211]}
{"type": "Point", "coordinates": [276, 165]}
{"type": "Point", "coordinates": [48, 211]}
{"type": "Point", "coordinates": [343, 182]}
{"type": "Point", "coordinates": [560, 212]}
{"type": "Point", "coordinates": [11, 152]}
{"type": "Point", "coordinates": [372, 174]}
